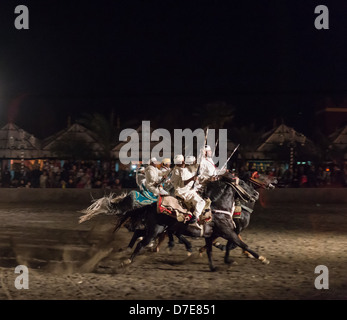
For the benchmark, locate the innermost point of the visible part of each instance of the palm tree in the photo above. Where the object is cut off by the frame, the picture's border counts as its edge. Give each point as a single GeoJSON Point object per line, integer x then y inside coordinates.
{"type": "Point", "coordinates": [72, 148]}
{"type": "Point", "coordinates": [248, 137]}
{"type": "Point", "coordinates": [215, 114]}
{"type": "Point", "coordinates": [104, 129]}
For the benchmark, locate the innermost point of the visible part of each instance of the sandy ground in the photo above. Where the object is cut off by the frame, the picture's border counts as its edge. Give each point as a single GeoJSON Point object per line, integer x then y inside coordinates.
{"type": "Point", "coordinates": [72, 261]}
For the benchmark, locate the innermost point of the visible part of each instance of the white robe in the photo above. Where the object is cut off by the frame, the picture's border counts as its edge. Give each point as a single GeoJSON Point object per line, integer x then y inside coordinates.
{"type": "Point", "coordinates": [207, 168]}
{"type": "Point", "coordinates": [186, 192]}
{"type": "Point", "coordinates": [153, 176]}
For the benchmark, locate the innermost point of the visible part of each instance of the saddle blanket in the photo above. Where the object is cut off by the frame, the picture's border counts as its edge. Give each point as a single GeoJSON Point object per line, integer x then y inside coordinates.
{"type": "Point", "coordinates": [143, 198]}
{"type": "Point", "coordinates": [175, 208]}
{"type": "Point", "coordinates": [172, 207]}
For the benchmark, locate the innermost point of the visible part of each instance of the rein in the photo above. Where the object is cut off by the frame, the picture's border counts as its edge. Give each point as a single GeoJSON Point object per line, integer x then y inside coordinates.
{"type": "Point", "coordinates": [236, 190]}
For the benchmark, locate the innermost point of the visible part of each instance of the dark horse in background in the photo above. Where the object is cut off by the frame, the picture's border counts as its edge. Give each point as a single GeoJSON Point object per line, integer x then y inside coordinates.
{"type": "Point", "coordinates": [221, 193]}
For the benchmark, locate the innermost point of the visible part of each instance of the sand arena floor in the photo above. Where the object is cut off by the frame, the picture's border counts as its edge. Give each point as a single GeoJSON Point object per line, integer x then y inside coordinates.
{"type": "Point", "coordinates": [72, 261]}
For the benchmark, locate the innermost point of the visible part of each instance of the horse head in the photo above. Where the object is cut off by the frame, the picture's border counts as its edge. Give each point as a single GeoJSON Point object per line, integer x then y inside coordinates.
{"type": "Point", "coordinates": [264, 181]}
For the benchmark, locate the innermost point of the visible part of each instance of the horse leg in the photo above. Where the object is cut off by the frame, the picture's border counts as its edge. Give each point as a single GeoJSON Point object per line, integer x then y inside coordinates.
{"type": "Point", "coordinates": [187, 244]}
{"type": "Point", "coordinates": [137, 234]}
{"type": "Point", "coordinates": [215, 244]}
{"type": "Point", "coordinates": [246, 253]}
{"type": "Point", "coordinates": [229, 246]}
{"type": "Point", "coordinates": [161, 238]}
{"type": "Point", "coordinates": [150, 235]}
{"type": "Point", "coordinates": [208, 242]}
{"type": "Point", "coordinates": [171, 242]}
{"type": "Point", "coordinates": [234, 238]}
{"type": "Point", "coordinates": [218, 245]}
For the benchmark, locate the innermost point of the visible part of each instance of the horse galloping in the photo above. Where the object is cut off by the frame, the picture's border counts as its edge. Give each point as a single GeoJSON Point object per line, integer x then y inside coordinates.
{"type": "Point", "coordinates": [122, 203]}
{"type": "Point", "coordinates": [221, 193]}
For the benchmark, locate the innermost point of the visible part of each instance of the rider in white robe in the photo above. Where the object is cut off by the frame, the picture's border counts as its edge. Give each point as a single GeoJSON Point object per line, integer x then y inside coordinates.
{"type": "Point", "coordinates": [166, 172]}
{"type": "Point", "coordinates": [153, 176]}
{"type": "Point", "coordinates": [207, 170]}
{"type": "Point", "coordinates": [190, 163]}
{"type": "Point", "coordinates": [140, 177]}
{"type": "Point", "coordinates": [183, 183]}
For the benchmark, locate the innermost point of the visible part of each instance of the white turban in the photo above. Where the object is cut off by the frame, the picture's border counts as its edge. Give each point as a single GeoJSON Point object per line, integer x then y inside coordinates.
{"type": "Point", "coordinates": [189, 159]}
{"type": "Point", "coordinates": [178, 159]}
{"type": "Point", "coordinates": [154, 160]}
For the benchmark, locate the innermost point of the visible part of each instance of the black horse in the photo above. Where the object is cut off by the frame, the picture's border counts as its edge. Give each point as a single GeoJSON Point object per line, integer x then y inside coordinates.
{"type": "Point", "coordinates": [115, 205]}
{"type": "Point", "coordinates": [221, 193]}
{"type": "Point", "coordinates": [247, 204]}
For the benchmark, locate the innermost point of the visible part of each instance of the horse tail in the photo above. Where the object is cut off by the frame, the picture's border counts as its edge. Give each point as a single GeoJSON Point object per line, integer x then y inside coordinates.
{"type": "Point", "coordinates": [102, 205]}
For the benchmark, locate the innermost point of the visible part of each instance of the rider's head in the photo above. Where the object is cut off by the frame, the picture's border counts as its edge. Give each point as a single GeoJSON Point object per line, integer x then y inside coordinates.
{"type": "Point", "coordinates": [153, 162]}
{"type": "Point", "coordinates": [166, 162]}
{"type": "Point", "coordinates": [179, 160]}
{"type": "Point", "coordinates": [208, 151]}
{"type": "Point", "coordinates": [190, 160]}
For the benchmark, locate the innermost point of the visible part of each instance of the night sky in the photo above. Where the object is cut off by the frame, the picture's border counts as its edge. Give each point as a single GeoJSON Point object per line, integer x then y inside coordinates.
{"type": "Point", "coordinates": [142, 59]}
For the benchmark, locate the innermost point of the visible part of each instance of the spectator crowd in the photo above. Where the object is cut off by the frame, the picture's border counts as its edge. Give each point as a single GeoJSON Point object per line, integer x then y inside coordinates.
{"type": "Point", "coordinates": [69, 174]}
{"type": "Point", "coordinates": [95, 174]}
{"type": "Point", "coordinates": [306, 175]}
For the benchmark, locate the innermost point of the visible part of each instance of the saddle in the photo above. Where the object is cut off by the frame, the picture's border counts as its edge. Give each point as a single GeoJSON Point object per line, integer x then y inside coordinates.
{"type": "Point", "coordinates": [173, 207]}
{"type": "Point", "coordinates": [176, 208]}
{"type": "Point", "coordinates": [244, 192]}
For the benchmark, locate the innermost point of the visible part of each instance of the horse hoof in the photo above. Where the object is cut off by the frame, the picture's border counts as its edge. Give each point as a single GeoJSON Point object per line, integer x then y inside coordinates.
{"type": "Point", "coordinates": [264, 260]}
{"type": "Point", "coordinates": [189, 254]}
{"type": "Point", "coordinates": [214, 269]}
{"type": "Point", "coordinates": [126, 262]}
{"type": "Point", "coordinates": [230, 262]}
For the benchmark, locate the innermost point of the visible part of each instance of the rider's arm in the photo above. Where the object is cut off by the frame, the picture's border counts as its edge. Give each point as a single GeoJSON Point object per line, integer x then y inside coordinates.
{"type": "Point", "coordinates": [151, 183]}
{"type": "Point", "coordinates": [185, 182]}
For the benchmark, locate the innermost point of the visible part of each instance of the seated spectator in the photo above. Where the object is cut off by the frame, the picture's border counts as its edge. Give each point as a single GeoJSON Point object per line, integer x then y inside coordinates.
{"type": "Point", "coordinates": [97, 184]}
{"type": "Point", "coordinates": [88, 184]}
{"type": "Point", "coordinates": [43, 179]}
{"type": "Point", "coordinates": [117, 185]}
{"type": "Point", "coordinates": [21, 183]}
{"type": "Point", "coordinates": [71, 183]}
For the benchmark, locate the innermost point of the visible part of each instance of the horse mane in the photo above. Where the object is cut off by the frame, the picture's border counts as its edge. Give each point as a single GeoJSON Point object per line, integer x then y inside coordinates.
{"type": "Point", "coordinates": [214, 190]}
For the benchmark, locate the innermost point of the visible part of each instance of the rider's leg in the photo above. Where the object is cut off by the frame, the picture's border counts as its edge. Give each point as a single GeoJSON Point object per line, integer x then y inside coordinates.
{"type": "Point", "coordinates": [199, 205]}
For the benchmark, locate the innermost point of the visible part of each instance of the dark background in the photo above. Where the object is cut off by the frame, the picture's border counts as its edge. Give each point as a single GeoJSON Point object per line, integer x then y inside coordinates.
{"type": "Point", "coordinates": [164, 59]}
